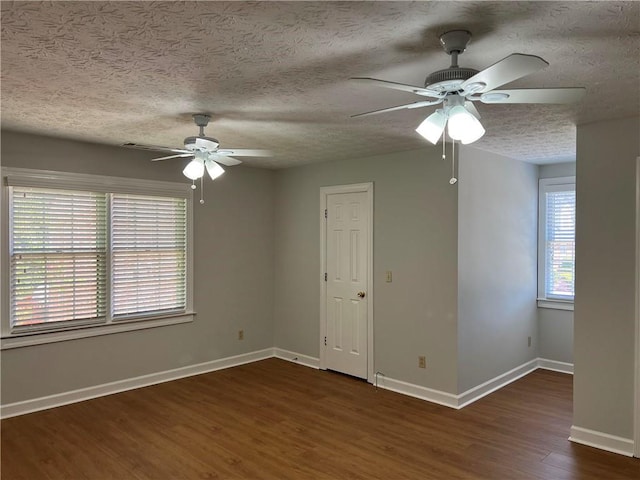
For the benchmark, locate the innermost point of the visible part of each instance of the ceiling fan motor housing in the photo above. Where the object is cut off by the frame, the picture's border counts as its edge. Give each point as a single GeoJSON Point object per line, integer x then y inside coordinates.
{"type": "Point", "coordinates": [449, 79]}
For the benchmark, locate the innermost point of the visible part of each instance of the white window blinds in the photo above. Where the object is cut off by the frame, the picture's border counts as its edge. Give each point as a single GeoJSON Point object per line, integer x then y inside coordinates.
{"type": "Point", "coordinates": [148, 255]}
{"type": "Point", "coordinates": [80, 257]}
{"type": "Point", "coordinates": [560, 219]}
{"type": "Point", "coordinates": [58, 256]}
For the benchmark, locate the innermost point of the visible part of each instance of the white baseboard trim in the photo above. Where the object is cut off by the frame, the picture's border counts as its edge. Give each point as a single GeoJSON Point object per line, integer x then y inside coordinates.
{"type": "Point", "coordinates": [476, 393]}
{"type": "Point", "coordinates": [603, 441]}
{"type": "Point", "coordinates": [399, 386]}
{"type": "Point", "coordinates": [294, 357]}
{"type": "Point", "coordinates": [490, 386]}
{"type": "Point", "coordinates": [418, 391]}
{"type": "Point", "coordinates": [65, 398]}
{"type": "Point", "coordinates": [555, 366]}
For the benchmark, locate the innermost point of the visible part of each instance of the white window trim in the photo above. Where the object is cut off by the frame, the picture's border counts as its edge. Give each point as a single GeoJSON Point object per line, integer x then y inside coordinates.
{"type": "Point", "coordinates": [542, 300]}
{"type": "Point", "coordinates": [555, 304]}
{"type": "Point", "coordinates": [96, 183]}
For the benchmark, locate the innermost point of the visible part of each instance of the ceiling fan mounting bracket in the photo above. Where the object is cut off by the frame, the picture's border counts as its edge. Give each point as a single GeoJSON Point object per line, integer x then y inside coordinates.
{"type": "Point", "coordinates": [201, 119]}
{"type": "Point", "coordinates": [455, 41]}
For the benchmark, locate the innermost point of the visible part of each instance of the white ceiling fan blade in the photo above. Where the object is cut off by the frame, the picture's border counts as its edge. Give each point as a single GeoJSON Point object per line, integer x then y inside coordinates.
{"type": "Point", "coordinates": [400, 107]}
{"type": "Point", "coordinates": [154, 148]}
{"type": "Point", "coordinates": [206, 143]}
{"type": "Point", "coordinates": [471, 108]}
{"type": "Point", "coordinates": [224, 160]}
{"type": "Point", "coordinates": [534, 95]}
{"type": "Point", "coordinates": [425, 92]}
{"type": "Point", "coordinates": [179, 155]}
{"type": "Point", "coordinates": [244, 152]}
{"type": "Point", "coordinates": [507, 70]}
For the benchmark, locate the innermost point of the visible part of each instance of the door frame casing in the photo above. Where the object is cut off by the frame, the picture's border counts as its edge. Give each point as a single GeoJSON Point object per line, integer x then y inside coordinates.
{"type": "Point", "coordinates": [637, 342]}
{"type": "Point", "coordinates": [324, 193]}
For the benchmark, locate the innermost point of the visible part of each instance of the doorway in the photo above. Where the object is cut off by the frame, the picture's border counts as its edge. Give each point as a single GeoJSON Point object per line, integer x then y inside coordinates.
{"type": "Point", "coordinates": [346, 286]}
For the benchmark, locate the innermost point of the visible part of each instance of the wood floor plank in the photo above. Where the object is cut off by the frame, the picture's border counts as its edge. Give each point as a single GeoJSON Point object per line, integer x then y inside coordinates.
{"type": "Point", "coordinates": [277, 420]}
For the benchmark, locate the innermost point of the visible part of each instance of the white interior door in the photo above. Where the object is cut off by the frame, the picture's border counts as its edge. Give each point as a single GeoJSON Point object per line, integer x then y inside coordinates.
{"type": "Point", "coordinates": [347, 299]}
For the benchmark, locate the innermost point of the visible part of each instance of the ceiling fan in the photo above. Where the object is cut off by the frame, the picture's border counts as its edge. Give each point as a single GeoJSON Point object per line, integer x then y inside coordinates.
{"type": "Point", "coordinates": [204, 152]}
{"type": "Point", "coordinates": [456, 88]}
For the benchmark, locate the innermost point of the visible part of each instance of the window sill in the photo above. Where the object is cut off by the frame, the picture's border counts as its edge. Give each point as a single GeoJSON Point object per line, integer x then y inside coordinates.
{"type": "Point", "coordinates": [555, 304]}
{"type": "Point", "coordinates": [27, 340]}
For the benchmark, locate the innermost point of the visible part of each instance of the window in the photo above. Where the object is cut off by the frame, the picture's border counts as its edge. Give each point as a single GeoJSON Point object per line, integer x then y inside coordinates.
{"type": "Point", "coordinates": [97, 252]}
{"type": "Point", "coordinates": [556, 243]}
{"type": "Point", "coordinates": [148, 255]}
{"type": "Point", "coordinates": [58, 256]}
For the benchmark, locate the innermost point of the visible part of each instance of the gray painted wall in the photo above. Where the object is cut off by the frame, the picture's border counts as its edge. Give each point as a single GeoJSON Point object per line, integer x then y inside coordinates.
{"type": "Point", "coordinates": [233, 274]}
{"type": "Point", "coordinates": [415, 236]}
{"type": "Point", "coordinates": [555, 334]}
{"type": "Point", "coordinates": [555, 327]}
{"type": "Point", "coordinates": [605, 276]}
{"type": "Point", "coordinates": [259, 232]}
{"type": "Point", "coordinates": [566, 169]}
{"type": "Point", "coordinates": [497, 263]}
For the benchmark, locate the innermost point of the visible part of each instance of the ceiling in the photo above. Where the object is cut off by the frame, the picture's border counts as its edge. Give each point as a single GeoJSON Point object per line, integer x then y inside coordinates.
{"type": "Point", "coordinates": [275, 75]}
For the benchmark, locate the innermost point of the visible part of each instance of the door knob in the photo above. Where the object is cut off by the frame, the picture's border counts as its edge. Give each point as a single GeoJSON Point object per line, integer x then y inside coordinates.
{"type": "Point", "coordinates": [361, 294]}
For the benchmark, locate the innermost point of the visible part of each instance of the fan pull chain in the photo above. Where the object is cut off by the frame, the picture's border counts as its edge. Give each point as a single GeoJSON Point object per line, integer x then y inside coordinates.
{"type": "Point", "coordinates": [453, 180]}
{"type": "Point", "coordinates": [202, 190]}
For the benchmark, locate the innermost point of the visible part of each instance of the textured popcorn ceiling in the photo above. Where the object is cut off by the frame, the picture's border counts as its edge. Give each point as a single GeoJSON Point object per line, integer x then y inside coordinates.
{"type": "Point", "coordinates": [275, 74]}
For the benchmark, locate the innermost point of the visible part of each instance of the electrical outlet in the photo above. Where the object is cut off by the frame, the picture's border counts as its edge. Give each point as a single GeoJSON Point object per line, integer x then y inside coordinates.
{"type": "Point", "coordinates": [422, 361]}
{"type": "Point", "coordinates": [240, 334]}
{"type": "Point", "coordinates": [528, 341]}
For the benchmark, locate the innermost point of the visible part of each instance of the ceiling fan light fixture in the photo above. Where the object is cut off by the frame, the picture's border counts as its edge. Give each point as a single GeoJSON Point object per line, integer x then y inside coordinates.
{"type": "Point", "coordinates": [194, 169]}
{"type": "Point", "coordinates": [433, 126]}
{"type": "Point", "coordinates": [213, 169]}
{"type": "Point", "coordinates": [475, 134]}
{"type": "Point", "coordinates": [464, 126]}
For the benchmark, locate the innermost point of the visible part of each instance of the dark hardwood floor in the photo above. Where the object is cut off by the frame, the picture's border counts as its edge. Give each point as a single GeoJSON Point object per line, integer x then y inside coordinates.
{"type": "Point", "coordinates": [277, 420]}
